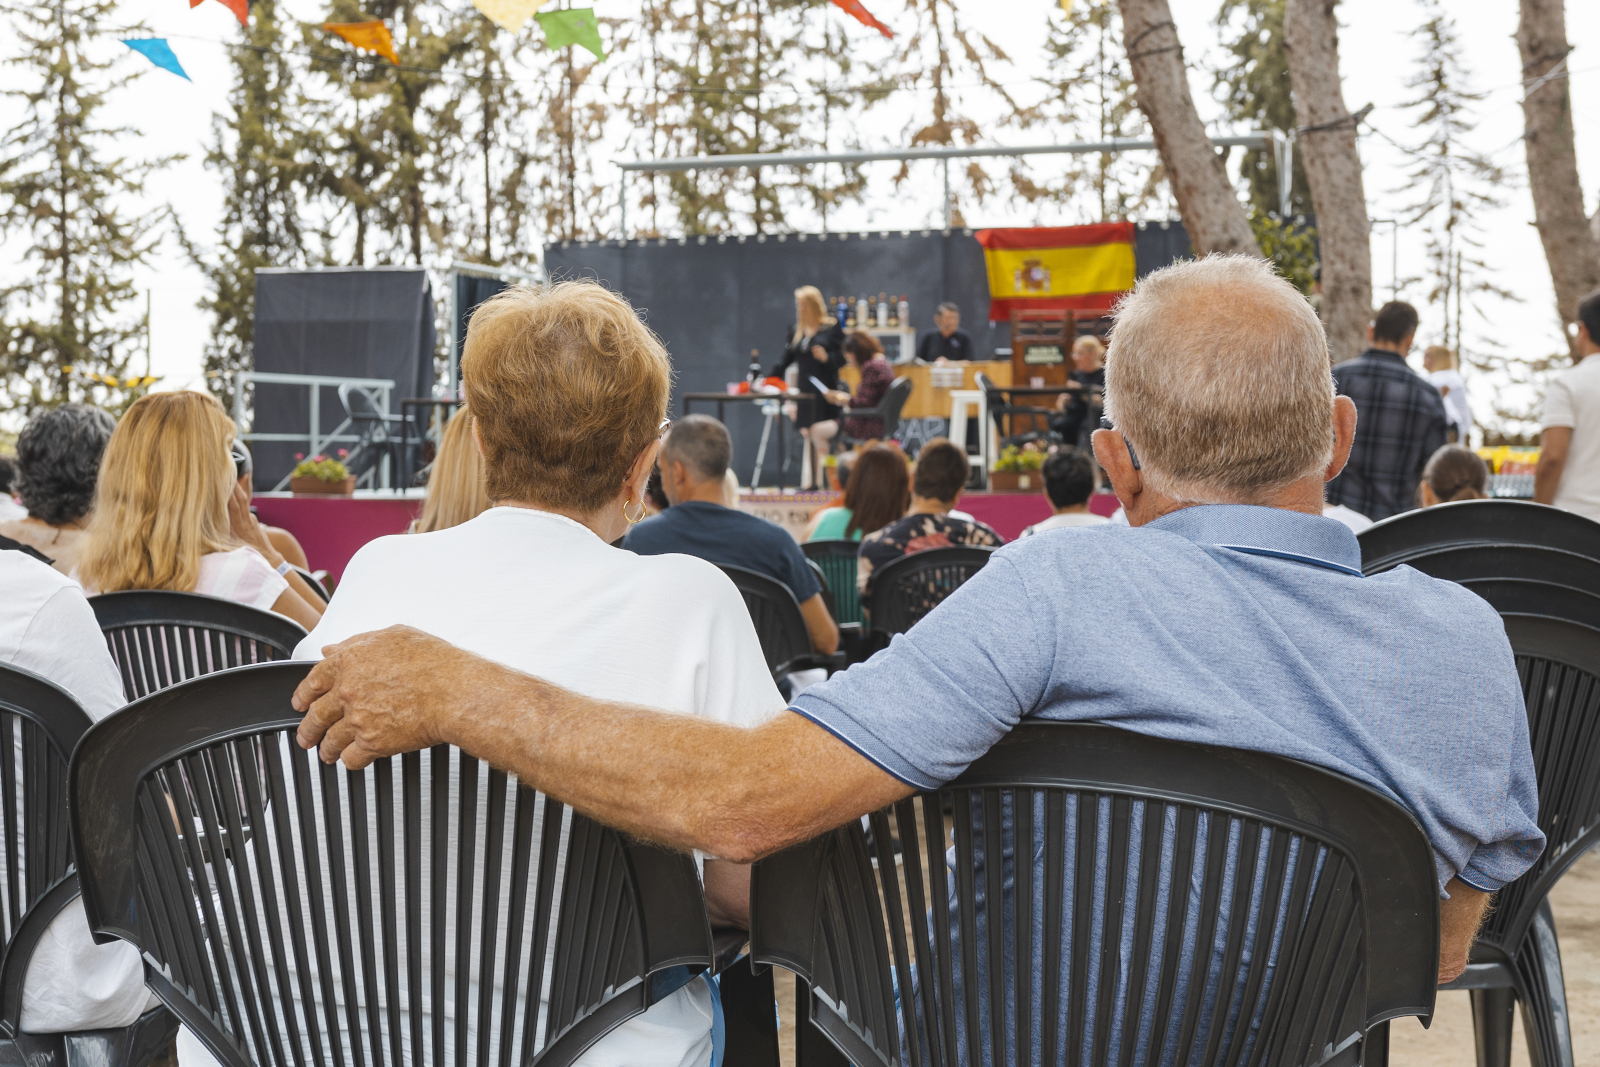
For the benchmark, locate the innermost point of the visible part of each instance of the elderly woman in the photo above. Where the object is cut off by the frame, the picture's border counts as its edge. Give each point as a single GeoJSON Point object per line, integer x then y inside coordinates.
{"type": "Point", "coordinates": [169, 514]}
{"type": "Point", "coordinates": [58, 459]}
{"type": "Point", "coordinates": [568, 392]}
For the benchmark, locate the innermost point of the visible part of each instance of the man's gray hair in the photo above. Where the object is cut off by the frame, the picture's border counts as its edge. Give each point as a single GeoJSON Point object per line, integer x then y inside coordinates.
{"type": "Point", "coordinates": [701, 444]}
{"type": "Point", "coordinates": [1218, 376]}
{"type": "Point", "coordinates": [945, 305]}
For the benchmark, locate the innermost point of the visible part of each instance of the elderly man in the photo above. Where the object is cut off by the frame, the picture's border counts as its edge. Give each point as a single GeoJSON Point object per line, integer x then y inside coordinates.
{"type": "Point", "coordinates": [1235, 615]}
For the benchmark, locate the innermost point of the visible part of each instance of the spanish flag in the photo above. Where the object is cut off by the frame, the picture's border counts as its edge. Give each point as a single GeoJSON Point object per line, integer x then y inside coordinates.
{"type": "Point", "coordinates": [1085, 268]}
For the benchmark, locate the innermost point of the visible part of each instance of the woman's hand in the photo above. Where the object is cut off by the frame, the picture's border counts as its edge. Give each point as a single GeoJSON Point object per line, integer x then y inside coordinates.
{"type": "Point", "coordinates": [819, 353]}
{"type": "Point", "coordinates": [246, 527]}
{"type": "Point", "coordinates": [837, 396]}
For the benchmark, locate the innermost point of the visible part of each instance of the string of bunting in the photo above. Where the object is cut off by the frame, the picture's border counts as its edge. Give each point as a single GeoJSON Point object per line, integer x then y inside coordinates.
{"type": "Point", "coordinates": [136, 382]}
{"type": "Point", "coordinates": [572, 26]}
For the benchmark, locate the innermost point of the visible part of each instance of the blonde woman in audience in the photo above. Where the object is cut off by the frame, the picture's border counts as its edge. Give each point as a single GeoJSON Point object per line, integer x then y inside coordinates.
{"type": "Point", "coordinates": [455, 484]}
{"type": "Point", "coordinates": [168, 514]}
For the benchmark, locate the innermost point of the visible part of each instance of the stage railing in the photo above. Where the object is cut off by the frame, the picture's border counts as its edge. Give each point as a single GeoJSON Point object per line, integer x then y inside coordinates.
{"type": "Point", "coordinates": [316, 441]}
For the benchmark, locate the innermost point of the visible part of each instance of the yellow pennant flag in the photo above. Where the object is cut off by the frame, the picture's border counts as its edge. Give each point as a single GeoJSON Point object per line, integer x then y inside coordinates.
{"type": "Point", "coordinates": [371, 36]}
{"type": "Point", "coordinates": [509, 15]}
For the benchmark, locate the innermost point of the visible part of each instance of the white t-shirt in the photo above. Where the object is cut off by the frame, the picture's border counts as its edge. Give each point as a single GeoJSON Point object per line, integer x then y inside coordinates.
{"type": "Point", "coordinates": [1456, 407]}
{"type": "Point", "coordinates": [541, 593]}
{"type": "Point", "coordinates": [1573, 400]}
{"type": "Point", "coordinates": [1071, 518]}
{"type": "Point", "coordinates": [1349, 516]}
{"type": "Point", "coordinates": [47, 627]}
{"type": "Point", "coordinates": [241, 575]}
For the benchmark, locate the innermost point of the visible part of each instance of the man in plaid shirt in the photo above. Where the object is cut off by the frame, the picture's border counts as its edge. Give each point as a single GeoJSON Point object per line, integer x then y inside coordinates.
{"type": "Point", "coordinates": [1400, 419]}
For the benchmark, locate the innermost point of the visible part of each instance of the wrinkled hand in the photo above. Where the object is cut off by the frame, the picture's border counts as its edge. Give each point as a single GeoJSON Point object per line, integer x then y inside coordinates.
{"type": "Point", "coordinates": [379, 694]}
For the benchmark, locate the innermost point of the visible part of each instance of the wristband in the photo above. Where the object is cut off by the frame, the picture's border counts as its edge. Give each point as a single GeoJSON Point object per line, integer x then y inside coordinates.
{"type": "Point", "coordinates": [285, 567]}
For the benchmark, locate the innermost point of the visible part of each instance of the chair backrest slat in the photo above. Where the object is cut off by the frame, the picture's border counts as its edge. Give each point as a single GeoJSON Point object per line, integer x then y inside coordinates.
{"type": "Point", "coordinates": [837, 558]}
{"type": "Point", "coordinates": [296, 914]}
{"type": "Point", "coordinates": [159, 638]}
{"type": "Point", "coordinates": [1110, 899]}
{"type": "Point", "coordinates": [907, 589]}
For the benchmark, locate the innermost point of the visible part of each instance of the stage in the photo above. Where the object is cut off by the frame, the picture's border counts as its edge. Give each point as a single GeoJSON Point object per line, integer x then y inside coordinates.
{"type": "Point", "coordinates": [331, 529]}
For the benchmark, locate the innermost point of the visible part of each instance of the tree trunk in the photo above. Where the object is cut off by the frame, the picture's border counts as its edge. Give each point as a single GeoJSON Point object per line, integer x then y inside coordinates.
{"type": "Point", "coordinates": [1327, 146]}
{"type": "Point", "coordinates": [1206, 200]}
{"type": "Point", "coordinates": [1570, 245]}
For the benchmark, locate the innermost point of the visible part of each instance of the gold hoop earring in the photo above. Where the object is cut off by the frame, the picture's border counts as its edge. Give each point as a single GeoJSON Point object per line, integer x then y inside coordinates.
{"type": "Point", "coordinates": [631, 520]}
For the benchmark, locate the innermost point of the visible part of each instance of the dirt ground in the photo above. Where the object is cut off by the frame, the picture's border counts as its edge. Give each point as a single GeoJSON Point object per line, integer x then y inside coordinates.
{"type": "Point", "coordinates": [1448, 1042]}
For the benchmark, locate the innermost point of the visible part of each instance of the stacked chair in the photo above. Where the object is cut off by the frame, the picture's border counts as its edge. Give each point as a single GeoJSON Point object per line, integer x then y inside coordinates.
{"type": "Point", "coordinates": [39, 726]}
{"type": "Point", "coordinates": [160, 638]}
{"type": "Point", "coordinates": [1540, 569]}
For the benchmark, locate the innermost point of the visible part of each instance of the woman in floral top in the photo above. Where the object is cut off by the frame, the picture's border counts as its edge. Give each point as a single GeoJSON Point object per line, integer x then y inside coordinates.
{"type": "Point", "coordinates": [866, 355]}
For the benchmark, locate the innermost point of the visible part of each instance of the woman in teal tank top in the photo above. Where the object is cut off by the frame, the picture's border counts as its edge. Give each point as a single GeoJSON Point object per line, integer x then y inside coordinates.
{"type": "Point", "coordinates": [878, 493]}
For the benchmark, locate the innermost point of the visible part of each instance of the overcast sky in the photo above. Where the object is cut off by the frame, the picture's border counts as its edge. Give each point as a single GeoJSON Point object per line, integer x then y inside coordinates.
{"type": "Point", "coordinates": [1377, 55]}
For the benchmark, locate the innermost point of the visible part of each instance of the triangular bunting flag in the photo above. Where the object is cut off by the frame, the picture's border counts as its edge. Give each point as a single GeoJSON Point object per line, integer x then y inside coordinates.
{"type": "Point", "coordinates": [240, 8]}
{"type": "Point", "coordinates": [372, 36]}
{"type": "Point", "coordinates": [576, 26]}
{"type": "Point", "coordinates": [510, 15]}
{"type": "Point", "coordinates": [157, 51]}
{"type": "Point", "coordinates": [859, 12]}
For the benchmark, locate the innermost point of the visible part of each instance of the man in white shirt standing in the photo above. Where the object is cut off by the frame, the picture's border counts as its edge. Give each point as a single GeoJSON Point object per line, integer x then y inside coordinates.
{"type": "Point", "coordinates": [47, 627]}
{"type": "Point", "coordinates": [1443, 373]}
{"type": "Point", "coordinates": [1568, 475]}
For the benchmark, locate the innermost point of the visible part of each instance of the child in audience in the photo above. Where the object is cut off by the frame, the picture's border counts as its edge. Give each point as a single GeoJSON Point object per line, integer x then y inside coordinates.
{"type": "Point", "coordinates": [1068, 484]}
{"type": "Point", "coordinates": [169, 514]}
{"type": "Point", "coordinates": [1453, 473]}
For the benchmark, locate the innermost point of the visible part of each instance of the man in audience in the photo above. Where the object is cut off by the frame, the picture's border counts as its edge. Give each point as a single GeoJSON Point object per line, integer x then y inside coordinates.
{"type": "Point", "coordinates": [1068, 485]}
{"type": "Point", "coordinates": [1400, 419]}
{"type": "Point", "coordinates": [947, 342]}
{"type": "Point", "coordinates": [936, 485]}
{"type": "Point", "coordinates": [694, 467]}
{"type": "Point", "coordinates": [58, 460]}
{"type": "Point", "coordinates": [47, 627]}
{"type": "Point", "coordinates": [1568, 474]}
{"type": "Point", "coordinates": [1235, 614]}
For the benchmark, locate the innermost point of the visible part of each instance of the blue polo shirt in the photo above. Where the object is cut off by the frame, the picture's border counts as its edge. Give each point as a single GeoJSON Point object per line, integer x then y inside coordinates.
{"type": "Point", "coordinates": [1249, 627]}
{"type": "Point", "coordinates": [727, 536]}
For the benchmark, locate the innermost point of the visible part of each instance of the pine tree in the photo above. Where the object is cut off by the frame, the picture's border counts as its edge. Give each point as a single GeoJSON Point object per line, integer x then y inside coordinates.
{"type": "Point", "coordinates": [70, 314]}
{"type": "Point", "coordinates": [258, 150]}
{"type": "Point", "coordinates": [1456, 181]}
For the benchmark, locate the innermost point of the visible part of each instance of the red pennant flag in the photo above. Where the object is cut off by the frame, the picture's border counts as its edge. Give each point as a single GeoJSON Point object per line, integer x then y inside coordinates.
{"type": "Point", "coordinates": [859, 12]}
{"type": "Point", "coordinates": [240, 8]}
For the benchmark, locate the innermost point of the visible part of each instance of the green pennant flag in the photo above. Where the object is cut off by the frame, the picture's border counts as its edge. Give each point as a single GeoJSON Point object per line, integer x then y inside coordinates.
{"type": "Point", "coordinates": [575, 26]}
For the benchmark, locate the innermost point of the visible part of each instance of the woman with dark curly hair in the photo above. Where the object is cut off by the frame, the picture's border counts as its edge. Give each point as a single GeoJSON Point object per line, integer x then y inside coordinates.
{"type": "Point", "coordinates": [58, 460]}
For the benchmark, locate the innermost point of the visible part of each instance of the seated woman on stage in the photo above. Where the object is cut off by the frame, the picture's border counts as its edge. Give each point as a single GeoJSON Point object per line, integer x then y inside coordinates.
{"type": "Point", "coordinates": [866, 355]}
{"type": "Point", "coordinates": [568, 391]}
{"type": "Point", "coordinates": [455, 481]}
{"type": "Point", "coordinates": [816, 348]}
{"type": "Point", "coordinates": [878, 493]}
{"type": "Point", "coordinates": [168, 514]}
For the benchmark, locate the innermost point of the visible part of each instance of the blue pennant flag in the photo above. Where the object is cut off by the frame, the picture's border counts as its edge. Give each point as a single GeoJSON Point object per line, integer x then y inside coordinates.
{"type": "Point", "coordinates": [157, 51]}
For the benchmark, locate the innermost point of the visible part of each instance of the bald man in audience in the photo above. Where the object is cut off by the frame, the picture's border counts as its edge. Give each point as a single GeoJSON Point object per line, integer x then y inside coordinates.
{"type": "Point", "coordinates": [1231, 613]}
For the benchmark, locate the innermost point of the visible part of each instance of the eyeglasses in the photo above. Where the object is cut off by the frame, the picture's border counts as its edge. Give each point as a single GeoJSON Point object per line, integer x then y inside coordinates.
{"type": "Point", "coordinates": [1106, 424]}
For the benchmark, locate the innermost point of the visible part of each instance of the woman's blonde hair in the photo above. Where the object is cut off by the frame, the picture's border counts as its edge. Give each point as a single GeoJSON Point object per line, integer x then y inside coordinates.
{"type": "Point", "coordinates": [455, 485]}
{"type": "Point", "coordinates": [810, 297]}
{"type": "Point", "coordinates": [567, 387]}
{"type": "Point", "coordinates": [162, 499]}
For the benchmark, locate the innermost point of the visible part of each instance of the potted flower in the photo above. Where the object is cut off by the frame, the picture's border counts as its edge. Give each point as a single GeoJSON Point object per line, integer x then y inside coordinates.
{"type": "Point", "coordinates": [321, 476]}
{"type": "Point", "coordinates": [1017, 469]}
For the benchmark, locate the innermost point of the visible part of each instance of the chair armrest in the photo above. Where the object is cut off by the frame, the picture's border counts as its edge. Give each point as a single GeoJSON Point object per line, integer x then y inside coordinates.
{"type": "Point", "coordinates": [810, 661]}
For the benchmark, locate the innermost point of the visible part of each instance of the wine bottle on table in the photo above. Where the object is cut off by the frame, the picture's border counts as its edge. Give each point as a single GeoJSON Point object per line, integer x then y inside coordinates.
{"type": "Point", "coordinates": [894, 314]}
{"type": "Point", "coordinates": [754, 374]}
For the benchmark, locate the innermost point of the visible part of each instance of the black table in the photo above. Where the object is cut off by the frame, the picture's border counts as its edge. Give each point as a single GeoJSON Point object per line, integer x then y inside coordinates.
{"type": "Point", "coordinates": [406, 405]}
{"type": "Point", "coordinates": [723, 399]}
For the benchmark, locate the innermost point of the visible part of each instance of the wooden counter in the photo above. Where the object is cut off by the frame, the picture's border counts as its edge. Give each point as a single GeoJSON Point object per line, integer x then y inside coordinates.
{"type": "Point", "coordinates": [927, 402]}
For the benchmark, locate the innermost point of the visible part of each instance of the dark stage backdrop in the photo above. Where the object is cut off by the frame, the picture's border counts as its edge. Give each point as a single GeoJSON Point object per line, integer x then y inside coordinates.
{"type": "Point", "coordinates": [344, 322]}
{"type": "Point", "coordinates": [712, 299]}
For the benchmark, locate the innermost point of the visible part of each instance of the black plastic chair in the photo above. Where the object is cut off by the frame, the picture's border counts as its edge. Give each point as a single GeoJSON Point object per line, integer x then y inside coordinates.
{"type": "Point", "coordinates": [40, 724]}
{"type": "Point", "coordinates": [1002, 411]}
{"type": "Point", "coordinates": [320, 930]}
{"type": "Point", "coordinates": [1346, 893]}
{"type": "Point", "coordinates": [1511, 596]}
{"type": "Point", "coordinates": [160, 638]}
{"type": "Point", "coordinates": [314, 582]}
{"type": "Point", "coordinates": [888, 409]}
{"type": "Point", "coordinates": [780, 627]}
{"type": "Point", "coordinates": [1529, 563]}
{"type": "Point", "coordinates": [1516, 958]}
{"type": "Point", "coordinates": [1476, 522]}
{"type": "Point", "coordinates": [837, 560]}
{"type": "Point", "coordinates": [907, 589]}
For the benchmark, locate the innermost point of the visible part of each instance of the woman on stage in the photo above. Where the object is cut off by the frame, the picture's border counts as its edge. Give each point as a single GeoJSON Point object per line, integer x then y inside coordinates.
{"type": "Point", "coordinates": [816, 348]}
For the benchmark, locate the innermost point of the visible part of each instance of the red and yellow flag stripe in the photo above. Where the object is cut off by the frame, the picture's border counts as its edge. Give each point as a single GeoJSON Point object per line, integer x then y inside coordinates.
{"type": "Point", "coordinates": [1085, 268]}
